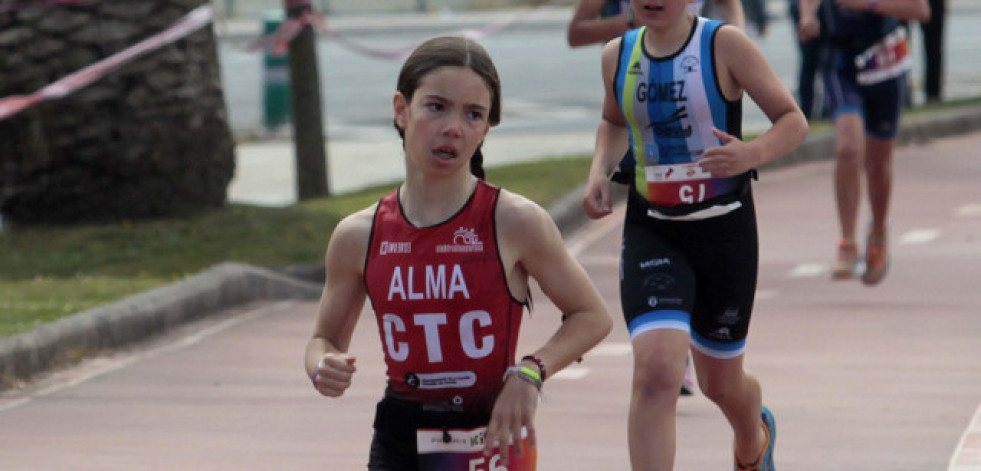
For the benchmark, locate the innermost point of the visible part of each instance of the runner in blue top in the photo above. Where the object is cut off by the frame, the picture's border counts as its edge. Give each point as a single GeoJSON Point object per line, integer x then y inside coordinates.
{"type": "Point", "coordinates": [689, 260]}
{"type": "Point", "coordinates": [597, 21]}
{"type": "Point", "coordinates": [865, 85]}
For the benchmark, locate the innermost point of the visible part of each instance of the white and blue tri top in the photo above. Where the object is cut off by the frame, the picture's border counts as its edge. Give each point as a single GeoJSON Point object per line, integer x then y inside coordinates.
{"type": "Point", "coordinates": [671, 105]}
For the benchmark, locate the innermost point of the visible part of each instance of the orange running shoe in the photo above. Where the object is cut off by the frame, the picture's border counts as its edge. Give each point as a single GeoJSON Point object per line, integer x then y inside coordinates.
{"type": "Point", "coordinates": [844, 267]}
{"type": "Point", "coordinates": [876, 263]}
{"type": "Point", "coordinates": [765, 461]}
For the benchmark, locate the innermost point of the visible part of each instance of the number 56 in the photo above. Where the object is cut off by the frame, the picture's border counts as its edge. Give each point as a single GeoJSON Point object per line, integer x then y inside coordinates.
{"type": "Point", "coordinates": [476, 464]}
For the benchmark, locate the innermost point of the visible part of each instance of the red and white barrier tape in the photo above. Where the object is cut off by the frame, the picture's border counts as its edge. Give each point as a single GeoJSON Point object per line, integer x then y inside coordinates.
{"type": "Point", "coordinates": [398, 53]}
{"type": "Point", "coordinates": [278, 41]}
{"type": "Point", "coordinates": [193, 21]}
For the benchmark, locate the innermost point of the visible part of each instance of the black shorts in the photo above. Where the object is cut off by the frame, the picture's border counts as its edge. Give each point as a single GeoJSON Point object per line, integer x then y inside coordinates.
{"type": "Point", "coordinates": [879, 105]}
{"type": "Point", "coordinates": [393, 446]}
{"type": "Point", "coordinates": [698, 276]}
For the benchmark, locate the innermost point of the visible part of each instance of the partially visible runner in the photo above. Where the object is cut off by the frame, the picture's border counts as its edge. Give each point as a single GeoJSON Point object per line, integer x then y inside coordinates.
{"type": "Point", "coordinates": [598, 21]}
{"type": "Point", "coordinates": [811, 54]}
{"type": "Point", "coordinates": [445, 260]}
{"type": "Point", "coordinates": [689, 263]}
{"type": "Point", "coordinates": [933, 51]}
{"type": "Point", "coordinates": [865, 83]}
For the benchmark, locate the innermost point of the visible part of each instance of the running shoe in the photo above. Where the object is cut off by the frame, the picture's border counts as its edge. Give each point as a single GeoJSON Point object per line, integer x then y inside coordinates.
{"type": "Point", "coordinates": [844, 267]}
{"type": "Point", "coordinates": [687, 386]}
{"type": "Point", "coordinates": [765, 460]}
{"type": "Point", "coordinates": [770, 425]}
{"type": "Point", "coordinates": [876, 263]}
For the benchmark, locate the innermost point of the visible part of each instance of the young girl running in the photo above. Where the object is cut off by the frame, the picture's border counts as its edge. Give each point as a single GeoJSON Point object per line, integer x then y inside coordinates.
{"type": "Point", "coordinates": [445, 261]}
{"type": "Point", "coordinates": [597, 21]}
{"type": "Point", "coordinates": [866, 103]}
{"type": "Point", "coordinates": [690, 249]}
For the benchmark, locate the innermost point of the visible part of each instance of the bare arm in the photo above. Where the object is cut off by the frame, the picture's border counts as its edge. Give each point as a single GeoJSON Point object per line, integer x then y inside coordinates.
{"type": "Point", "coordinates": [909, 10]}
{"type": "Point", "coordinates": [327, 362]}
{"type": "Point", "coordinates": [536, 247]}
{"type": "Point", "coordinates": [809, 26]}
{"type": "Point", "coordinates": [742, 67]}
{"type": "Point", "coordinates": [586, 26]}
{"type": "Point", "coordinates": [532, 246]}
{"type": "Point", "coordinates": [611, 140]}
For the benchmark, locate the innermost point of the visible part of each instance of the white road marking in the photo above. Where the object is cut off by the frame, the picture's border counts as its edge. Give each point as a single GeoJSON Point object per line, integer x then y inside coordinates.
{"type": "Point", "coordinates": [967, 453]}
{"type": "Point", "coordinates": [809, 270]}
{"type": "Point", "coordinates": [968, 210]}
{"type": "Point", "coordinates": [596, 231]}
{"type": "Point", "coordinates": [919, 236]}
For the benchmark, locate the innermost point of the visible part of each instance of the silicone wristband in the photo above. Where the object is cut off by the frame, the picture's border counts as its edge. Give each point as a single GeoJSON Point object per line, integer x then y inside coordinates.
{"type": "Point", "coordinates": [538, 362]}
{"type": "Point", "coordinates": [525, 374]}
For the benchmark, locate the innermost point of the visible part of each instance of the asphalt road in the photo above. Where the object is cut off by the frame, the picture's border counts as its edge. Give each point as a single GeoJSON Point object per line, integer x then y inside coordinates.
{"type": "Point", "coordinates": [548, 87]}
{"type": "Point", "coordinates": [871, 379]}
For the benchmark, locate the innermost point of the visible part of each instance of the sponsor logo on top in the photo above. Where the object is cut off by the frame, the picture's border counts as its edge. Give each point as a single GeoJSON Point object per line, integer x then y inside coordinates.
{"type": "Point", "coordinates": [465, 240]}
{"type": "Point", "coordinates": [388, 247]}
{"type": "Point", "coordinates": [689, 64]}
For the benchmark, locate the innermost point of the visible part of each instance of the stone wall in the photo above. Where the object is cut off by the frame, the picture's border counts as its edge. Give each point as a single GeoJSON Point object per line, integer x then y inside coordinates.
{"type": "Point", "coordinates": [151, 139]}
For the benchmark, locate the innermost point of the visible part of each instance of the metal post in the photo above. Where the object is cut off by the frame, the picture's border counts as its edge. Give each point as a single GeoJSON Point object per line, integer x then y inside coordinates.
{"type": "Point", "coordinates": [276, 109]}
{"type": "Point", "coordinates": [422, 6]}
{"type": "Point", "coordinates": [308, 127]}
{"type": "Point", "coordinates": [229, 8]}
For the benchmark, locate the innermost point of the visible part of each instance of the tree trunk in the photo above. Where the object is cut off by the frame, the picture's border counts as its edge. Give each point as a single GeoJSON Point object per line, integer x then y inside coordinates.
{"type": "Point", "coordinates": [150, 139]}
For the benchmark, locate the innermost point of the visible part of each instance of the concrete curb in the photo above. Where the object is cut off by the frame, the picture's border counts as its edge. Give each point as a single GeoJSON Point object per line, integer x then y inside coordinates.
{"type": "Point", "coordinates": [144, 315]}
{"type": "Point", "coordinates": [229, 284]}
{"type": "Point", "coordinates": [915, 129]}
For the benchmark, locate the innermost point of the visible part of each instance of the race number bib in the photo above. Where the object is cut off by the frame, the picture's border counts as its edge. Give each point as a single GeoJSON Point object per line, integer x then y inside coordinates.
{"type": "Point", "coordinates": [675, 184]}
{"type": "Point", "coordinates": [886, 59]}
{"type": "Point", "coordinates": [675, 173]}
{"type": "Point", "coordinates": [464, 451]}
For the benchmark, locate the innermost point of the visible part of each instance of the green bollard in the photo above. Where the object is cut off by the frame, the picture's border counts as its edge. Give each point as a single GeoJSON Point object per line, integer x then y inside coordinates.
{"type": "Point", "coordinates": [275, 77]}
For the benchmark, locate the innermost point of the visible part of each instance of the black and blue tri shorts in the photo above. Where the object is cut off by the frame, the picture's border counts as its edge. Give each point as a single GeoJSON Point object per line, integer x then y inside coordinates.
{"type": "Point", "coordinates": [693, 275]}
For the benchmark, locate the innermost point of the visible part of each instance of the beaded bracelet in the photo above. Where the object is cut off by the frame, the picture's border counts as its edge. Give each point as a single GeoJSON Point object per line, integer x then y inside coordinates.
{"type": "Point", "coordinates": [538, 361]}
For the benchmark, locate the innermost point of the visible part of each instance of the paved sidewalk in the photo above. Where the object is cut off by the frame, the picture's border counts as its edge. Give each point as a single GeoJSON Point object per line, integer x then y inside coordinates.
{"type": "Point", "coordinates": [266, 172]}
{"type": "Point", "coordinates": [247, 25]}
